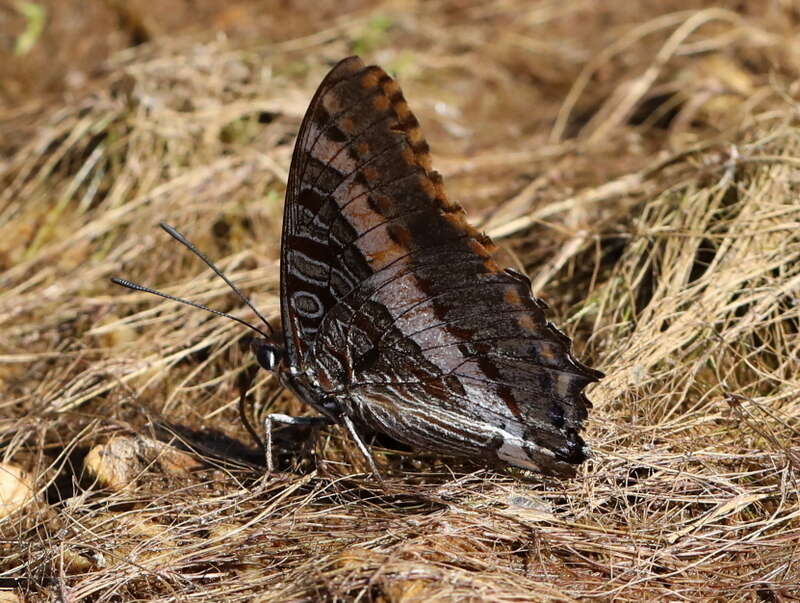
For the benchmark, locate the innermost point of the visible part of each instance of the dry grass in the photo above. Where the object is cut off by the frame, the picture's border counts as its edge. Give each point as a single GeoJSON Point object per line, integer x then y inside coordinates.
{"type": "Point", "coordinates": [642, 165]}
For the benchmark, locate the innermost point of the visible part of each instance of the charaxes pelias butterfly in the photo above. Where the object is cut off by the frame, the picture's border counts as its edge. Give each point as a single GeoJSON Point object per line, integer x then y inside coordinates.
{"type": "Point", "coordinates": [395, 317]}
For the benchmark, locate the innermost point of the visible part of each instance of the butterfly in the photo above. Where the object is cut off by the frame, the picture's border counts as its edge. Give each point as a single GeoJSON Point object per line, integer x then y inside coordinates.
{"type": "Point", "coordinates": [394, 315]}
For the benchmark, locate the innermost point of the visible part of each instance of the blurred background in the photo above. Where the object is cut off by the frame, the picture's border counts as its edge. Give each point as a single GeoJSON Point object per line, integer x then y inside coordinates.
{"type": "Point", "coordinates": [639, 160]}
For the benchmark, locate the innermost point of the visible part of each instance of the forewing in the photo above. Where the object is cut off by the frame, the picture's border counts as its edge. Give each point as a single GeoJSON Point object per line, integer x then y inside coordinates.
{"type": "Point", "coordinates": [347, 141]}
{"type": "Point", "coordinates": [359, 185]}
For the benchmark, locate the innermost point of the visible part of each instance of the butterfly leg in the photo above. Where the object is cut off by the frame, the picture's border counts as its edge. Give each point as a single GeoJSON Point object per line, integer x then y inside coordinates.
{"type": "Point", "coordinates": [362, 447]}
{"type": "Point", "coordinates": [286, 420]}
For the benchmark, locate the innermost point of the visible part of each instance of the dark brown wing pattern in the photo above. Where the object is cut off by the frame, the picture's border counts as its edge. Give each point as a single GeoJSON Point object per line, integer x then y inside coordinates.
{"type": "Point", "coordinates": [392, 305]}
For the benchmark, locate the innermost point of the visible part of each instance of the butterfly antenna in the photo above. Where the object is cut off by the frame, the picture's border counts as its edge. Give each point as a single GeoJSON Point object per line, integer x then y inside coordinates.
{"type": "Point", "coordinates": [137, 287]}
{"type": "Point", "coordinates": [190, 246]}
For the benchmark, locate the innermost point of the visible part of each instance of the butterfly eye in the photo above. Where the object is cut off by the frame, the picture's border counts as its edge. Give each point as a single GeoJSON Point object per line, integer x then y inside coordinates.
{"type": "Point", "coordinates": [267, 354]}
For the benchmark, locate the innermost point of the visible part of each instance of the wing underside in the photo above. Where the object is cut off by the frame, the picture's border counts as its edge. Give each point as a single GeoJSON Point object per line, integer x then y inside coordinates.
{"type": "Point", "coordinates": [395, 300]}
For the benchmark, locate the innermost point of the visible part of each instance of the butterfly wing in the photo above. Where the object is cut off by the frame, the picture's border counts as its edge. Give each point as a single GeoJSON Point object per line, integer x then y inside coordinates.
{"type": "Point", "coordinates": [322, 177]}
{"type": "Point", "coordinates": [393, 305]}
